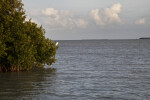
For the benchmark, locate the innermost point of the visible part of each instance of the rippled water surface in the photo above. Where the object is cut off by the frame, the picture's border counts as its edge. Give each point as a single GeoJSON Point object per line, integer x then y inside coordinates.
{"type": "Point", "coordinates": [86, 70]}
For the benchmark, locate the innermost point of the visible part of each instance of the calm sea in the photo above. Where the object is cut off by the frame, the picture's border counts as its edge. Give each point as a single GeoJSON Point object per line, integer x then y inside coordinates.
{"type": "Point", "coordinates": [86, 70]}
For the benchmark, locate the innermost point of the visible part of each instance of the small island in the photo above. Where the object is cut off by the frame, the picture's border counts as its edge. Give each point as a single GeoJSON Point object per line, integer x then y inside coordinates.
{"type": "Point", "coordinates": [23, 44]}
{"type": "Point", "coordinates": [144, 38]}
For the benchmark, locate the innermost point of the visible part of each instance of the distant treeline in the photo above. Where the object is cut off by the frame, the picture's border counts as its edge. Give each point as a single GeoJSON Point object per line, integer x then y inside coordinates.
{"type": "Point", "coordinates": [145, 38]}
{"type": "Point", "coordinates": [22, 43]}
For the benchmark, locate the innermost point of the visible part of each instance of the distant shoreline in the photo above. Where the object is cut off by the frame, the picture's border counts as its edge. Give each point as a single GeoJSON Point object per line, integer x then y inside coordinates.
{"type": "Point", "coordinates": [96, 39]}
{"type": "Point", "coordinates": [145, 38]}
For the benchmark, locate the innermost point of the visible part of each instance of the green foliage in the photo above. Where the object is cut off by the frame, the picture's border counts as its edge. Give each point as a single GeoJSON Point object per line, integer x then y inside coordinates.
{"type": "Point", "coordinates": [22, 43]}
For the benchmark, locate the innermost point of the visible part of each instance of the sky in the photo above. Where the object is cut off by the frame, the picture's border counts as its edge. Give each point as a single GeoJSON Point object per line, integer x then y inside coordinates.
{"type": "Point", "coordinates": [91, 19]}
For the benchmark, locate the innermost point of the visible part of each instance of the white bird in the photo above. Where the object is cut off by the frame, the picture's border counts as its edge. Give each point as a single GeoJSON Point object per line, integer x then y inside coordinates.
{"type": "Point", "coordinates": [56, 44]}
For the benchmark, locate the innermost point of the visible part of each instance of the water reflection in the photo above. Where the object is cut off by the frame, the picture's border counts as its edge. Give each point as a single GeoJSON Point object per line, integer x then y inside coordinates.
{"type": "Point", "coordinates": [25, 85]}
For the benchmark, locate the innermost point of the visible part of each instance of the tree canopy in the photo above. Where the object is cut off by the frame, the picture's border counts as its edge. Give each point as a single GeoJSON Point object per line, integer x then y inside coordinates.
{"type": "Point", "coordinates": [23, 44]}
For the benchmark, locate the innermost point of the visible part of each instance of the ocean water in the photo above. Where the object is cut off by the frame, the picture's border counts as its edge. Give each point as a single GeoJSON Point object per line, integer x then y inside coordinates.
{"type": "Point", "coordinates": [86, 70]}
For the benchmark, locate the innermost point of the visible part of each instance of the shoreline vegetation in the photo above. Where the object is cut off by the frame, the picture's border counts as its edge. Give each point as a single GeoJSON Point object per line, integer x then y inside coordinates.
{"type": "Point", "coordinates": [144, 38]}
{"type": "Point", "coordinates": [23, 45]}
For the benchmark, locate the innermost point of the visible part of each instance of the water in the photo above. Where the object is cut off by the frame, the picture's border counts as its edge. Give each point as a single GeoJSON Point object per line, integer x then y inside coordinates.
{"type": "Point", "coordinates": [86, 70]}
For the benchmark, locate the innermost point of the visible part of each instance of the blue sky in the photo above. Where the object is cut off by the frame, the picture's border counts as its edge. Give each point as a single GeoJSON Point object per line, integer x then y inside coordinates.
{"type": "Point", "coordinates": [91, 19]}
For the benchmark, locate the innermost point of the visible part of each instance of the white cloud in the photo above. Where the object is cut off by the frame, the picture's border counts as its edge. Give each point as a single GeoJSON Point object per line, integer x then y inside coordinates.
{"type": "Point", "coordinates": [59, 18]}
{"type": "Point", "coordinates": [96, 16]}
{"type": "Point", "coordinates": [50, 11]}
{"type": "Point", "coordinates": [112, 13]}
{"type": "Point", "coordinates": [64, 19]}
{"type": "Point", "coordinates": [141, 21]}
{"type": "Point", "coordinates": [33, 20]}
{"type": "Point", "coordinates": [107, 16]}
{"type": "Point", "coordinates": [81, 23]}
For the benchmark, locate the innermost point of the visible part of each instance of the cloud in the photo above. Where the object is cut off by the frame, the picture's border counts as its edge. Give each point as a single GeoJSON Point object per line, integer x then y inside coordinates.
{"type": "Point", "coordinates": [141, 21]}
{"type": "Point", "coordinates": [33, 20]}
{"type": "Point", "coordinates": [59, 19]}
{"type": "Point", "coordinates": [95, 14]}
{"type": "Point", "coordinates": [50, 11]}
{"type": "Point", "coordinates": [81, 23]}
{"type": "Point", "coordinates": [107, 16]}
{"type": "Point", "coordinates": [64, 19]}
